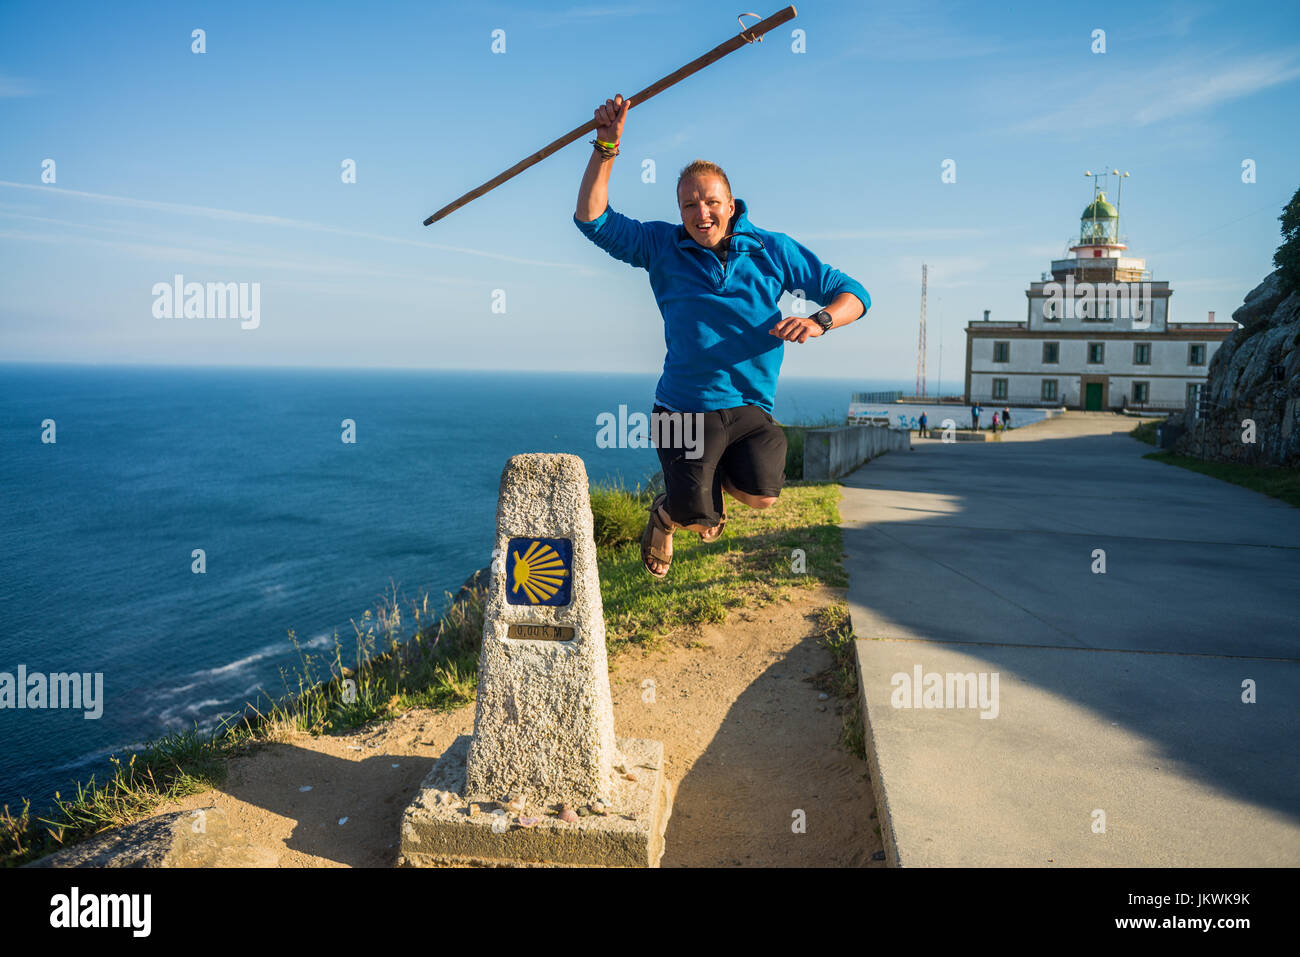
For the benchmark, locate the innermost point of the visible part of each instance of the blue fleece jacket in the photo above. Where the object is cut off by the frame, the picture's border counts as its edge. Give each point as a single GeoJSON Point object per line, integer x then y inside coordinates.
{"type": "Point", "coordinates": [717, 318]}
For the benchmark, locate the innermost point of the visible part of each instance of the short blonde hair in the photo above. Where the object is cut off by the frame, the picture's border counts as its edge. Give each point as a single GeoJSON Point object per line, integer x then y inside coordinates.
{"type": "Point", "coordinates": [699, 167]}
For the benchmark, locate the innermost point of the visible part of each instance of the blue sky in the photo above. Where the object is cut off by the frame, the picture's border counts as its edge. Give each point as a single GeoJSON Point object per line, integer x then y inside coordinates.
{"type": "Point", "coordinates": [225, 166]}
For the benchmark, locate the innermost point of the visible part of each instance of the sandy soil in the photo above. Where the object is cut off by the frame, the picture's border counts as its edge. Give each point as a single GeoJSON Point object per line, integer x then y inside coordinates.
{"type": "Point", "coordinates": [747, 741]}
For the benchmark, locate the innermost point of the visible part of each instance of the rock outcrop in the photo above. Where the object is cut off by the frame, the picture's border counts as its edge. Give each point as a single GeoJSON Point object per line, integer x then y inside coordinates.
{"type": "Point", "coordinates": [1255, 375]}
{"type": "Point", "coordinates": [198, 838]}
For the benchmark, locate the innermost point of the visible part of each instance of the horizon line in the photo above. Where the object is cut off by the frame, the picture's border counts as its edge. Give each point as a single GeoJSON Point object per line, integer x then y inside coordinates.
{"type": "Point", "coordinates": [354, 368]}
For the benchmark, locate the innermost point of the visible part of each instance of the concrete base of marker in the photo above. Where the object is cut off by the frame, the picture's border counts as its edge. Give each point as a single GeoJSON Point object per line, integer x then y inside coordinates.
{"type": "Point", "coordinates": [441, 829]}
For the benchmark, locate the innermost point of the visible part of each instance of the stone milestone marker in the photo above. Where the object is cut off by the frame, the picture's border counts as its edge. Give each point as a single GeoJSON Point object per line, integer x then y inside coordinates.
{"type": "Point", "coordinates": [543, 780]}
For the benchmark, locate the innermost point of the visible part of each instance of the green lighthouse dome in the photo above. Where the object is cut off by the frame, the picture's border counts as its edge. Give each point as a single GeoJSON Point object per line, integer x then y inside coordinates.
{"type": "Point", "coordinates": [1099, 223]}
{"type": "Point", "coordinates": [1100, 208]}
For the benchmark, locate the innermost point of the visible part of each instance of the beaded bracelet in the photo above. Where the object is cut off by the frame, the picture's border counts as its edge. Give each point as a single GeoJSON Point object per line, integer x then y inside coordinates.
{"type": "Point", "coordinates": [606, 149]}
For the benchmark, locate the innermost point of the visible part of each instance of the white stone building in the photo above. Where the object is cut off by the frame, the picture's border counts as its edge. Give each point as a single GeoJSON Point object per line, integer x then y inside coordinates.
{"type": "Point", "coordinates": [1097, 334]}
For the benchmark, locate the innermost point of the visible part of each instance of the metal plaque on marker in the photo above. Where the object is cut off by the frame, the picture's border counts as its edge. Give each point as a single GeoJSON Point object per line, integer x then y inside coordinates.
{"type": "Point", "coordinates": [540, 632]}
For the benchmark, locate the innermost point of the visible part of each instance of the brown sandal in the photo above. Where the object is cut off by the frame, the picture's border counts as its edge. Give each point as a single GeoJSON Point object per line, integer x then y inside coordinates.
{"type": "Point", "coordinates": [715, 533]}
{"type": "Point", "coordinates": [648, 552]}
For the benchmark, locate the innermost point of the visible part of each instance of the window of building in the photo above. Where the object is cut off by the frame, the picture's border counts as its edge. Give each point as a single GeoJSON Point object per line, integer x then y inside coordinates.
{"type": "Point", "coordinates": [1001, 352]}
{"type": "Point", "coordinates": [1051, 352]}
{"type": "Point", "coordinates": [1096, 352]}
{"type": "Point", "coordinates": [1049, 390]}
{"type": "Point", "coordinates": [999, 388]}
{"type": "Point", "coordinates": [1141, 392]}
{"type": "Point", "coordinates": [1142, 353]}
{"type": "Point", "coordinates": [1196, 354]}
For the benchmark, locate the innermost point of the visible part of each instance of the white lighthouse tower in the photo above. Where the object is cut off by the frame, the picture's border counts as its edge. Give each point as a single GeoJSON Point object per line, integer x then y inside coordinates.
{"type": "Point", "coordinates": [1097, 334]}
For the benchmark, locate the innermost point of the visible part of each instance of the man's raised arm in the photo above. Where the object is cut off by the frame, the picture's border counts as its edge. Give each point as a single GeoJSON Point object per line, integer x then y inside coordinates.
{"type": "Point", "coordinates": [624, 238]}
{"type": "Point", "coordinates": [593, 194]}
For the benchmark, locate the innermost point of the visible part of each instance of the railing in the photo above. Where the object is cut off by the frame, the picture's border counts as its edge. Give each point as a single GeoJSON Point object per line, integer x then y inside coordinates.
{"type": "Point", "coordinates": [1165, 405]}
{"type": "Point", "coordinates": [993, 404]}
{"type": "Point", "coordinates": [876, 396]}
{"type": "Point", "coordinates": [1076, 266]}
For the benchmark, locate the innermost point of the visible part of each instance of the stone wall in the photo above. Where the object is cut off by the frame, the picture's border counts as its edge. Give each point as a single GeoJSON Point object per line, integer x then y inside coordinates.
{"type": "Point", "coordinates": [830, 453]}
{"type": "Point", "coordinates": [1255, 375]}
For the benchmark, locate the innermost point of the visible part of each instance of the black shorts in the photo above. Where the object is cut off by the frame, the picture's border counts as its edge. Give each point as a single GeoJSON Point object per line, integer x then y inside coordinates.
{"type": "Point", "coordinates": [744, 445]}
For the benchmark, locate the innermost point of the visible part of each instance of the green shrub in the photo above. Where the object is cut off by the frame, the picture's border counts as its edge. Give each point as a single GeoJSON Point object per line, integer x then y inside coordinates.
{"type": "Point", "coordinates": [1287, 257]}
{"type": "Point", "coordinates": [1146, 432]}
{"type": "Point", "coordinates": [619, 515]}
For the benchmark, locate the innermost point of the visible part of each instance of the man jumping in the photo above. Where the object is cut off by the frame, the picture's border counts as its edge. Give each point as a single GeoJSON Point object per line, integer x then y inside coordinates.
{"type": "Point", "coordinates": [717, 280]}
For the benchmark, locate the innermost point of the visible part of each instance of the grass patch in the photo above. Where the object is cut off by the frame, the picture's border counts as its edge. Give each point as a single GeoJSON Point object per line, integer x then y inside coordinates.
{"type": "Point", "coordinates": [840, 681]}
{"type": "Point", "coordinates": [403, 659]}
{"type": "Point", "coordinates": [619, 514]}
{"type": "Point", "coordinates": [756, 562]}
{"type": "Point", "coordinates": [1145, 432]}
{"type": "Point", "coordinates": [164, 770]}
{"type": "Point", "coordinates": [1275, 481]}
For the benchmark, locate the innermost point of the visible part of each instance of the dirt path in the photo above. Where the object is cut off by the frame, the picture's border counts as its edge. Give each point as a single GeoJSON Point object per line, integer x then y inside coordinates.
{"type": "Point", "coordinates": [747, 740]}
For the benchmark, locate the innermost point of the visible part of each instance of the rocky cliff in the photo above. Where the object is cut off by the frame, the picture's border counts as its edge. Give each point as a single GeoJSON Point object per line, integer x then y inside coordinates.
{"type": "Point", "coordinates": [1254, 375]}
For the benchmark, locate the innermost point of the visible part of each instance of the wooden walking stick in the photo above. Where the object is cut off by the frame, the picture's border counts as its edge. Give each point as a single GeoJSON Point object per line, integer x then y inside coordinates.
{"type": "Point", "coordinates": [746, 35]}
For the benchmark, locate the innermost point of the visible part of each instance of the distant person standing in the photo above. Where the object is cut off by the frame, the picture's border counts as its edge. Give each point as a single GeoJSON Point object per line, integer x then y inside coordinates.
{"type": "Point", "coordinates": [995, 423]}
{"type": "Point", "coordinates": [924, 432]}
{"type": "Point", "coordinates": [975, 417]}
{"type": "Point", "coordinates": [1006, 417]}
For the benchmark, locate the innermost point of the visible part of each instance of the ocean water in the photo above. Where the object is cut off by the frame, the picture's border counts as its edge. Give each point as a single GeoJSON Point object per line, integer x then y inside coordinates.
{"type": "Point", "coordinates": [299, 530]}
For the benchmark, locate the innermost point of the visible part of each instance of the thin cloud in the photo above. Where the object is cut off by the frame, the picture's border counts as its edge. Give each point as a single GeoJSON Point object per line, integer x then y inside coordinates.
{"type": "Point", "coordinates": [915, 234]}
{"type": "Point", "coordinates": [231, 215]}
{"type": "Point", "coordinates": [599, 13]}
{"type": "Point", "coordinates": [1173, 20]}
{"type": "Point", "coordinates": [261, 262]}
{"type": "Point", "coordinates": [1209, 284]}
{"type": "Point", "coordinates": [1197, 92]}
{"type": "Point", "coordinates": [12, 86]}
{"type": "Point", "coordinates": [920, 32]}
{"type": "Point", "coordinates": [1191, 85]}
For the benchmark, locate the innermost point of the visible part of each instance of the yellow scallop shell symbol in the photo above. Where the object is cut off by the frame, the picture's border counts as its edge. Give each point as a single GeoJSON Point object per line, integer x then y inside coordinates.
{"type": "Point", "coordinates": [539, 572]}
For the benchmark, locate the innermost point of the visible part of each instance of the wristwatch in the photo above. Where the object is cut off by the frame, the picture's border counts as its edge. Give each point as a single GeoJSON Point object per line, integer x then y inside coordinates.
{"type": "Point", "coordinates": [824, 320]}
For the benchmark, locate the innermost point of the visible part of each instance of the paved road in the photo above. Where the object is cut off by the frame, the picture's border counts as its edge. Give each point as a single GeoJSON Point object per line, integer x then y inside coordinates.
{"type": "Point", "coordinates": [1119, 697]}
